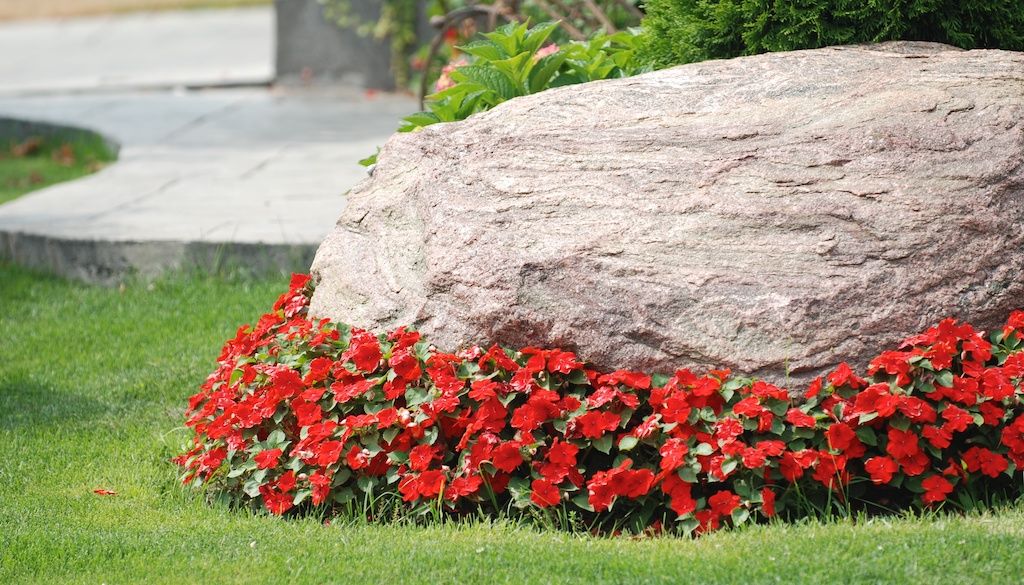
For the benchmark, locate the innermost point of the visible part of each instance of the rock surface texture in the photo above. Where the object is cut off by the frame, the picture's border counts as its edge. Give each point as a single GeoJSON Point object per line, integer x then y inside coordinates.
{"type": "Point", "coordinates": [774, 214]}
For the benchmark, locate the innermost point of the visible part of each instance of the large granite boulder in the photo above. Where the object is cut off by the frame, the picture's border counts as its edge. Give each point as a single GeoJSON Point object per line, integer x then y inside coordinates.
{"type": "Point", "coordinates": [775, 214]}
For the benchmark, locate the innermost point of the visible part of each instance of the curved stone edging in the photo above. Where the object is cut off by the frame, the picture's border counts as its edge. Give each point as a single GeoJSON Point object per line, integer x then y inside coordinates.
{"type": "Point", "coordinates": [108, 262]}
{"type": "Point", "coordinates": [21, 129]}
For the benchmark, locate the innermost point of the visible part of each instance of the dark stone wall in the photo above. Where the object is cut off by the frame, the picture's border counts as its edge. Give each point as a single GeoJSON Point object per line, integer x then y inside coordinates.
{"type": "Point", "coordinates": [306, 41]}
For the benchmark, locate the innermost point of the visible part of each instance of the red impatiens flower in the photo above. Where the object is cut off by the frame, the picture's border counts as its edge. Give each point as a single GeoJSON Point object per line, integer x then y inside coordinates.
{"type": "Point", "coordinates": [673, 454]}
{"type": "Point", "coordinates": [321, 484]}
{"type": "Point", "coordinates": [902, 444]}
{"type": "Point", "coordinates": [328, 453]}
{"type": "Point", "coordinates": [544, 493]}
{"type": "Point", "coordinates": [881, 469]}
{"type": "Point", "coordinates": [475, 427]}
{"type": "Point", "coordinates": [267, 458]}
{"type": "Point", "coordinates": [936, 489]}
{"type": "Point", "coordinates": [956, 418]}
{"type": "Point", "coordinates": [318, 370]}
{"type": "Point", "coordinates": [724, 502]}
{"type": "Point", "coordinates": [844, 376]}
{"type": "Point", "coordinates": [507, 456]}
{"type": "Point", "coordinates": [767, 502]}
{"type": "Point", "coordinates": [463, 486]}
{"type": "Point", "coordinates": [363, 351]}
{"type": "Point", "coordinates": [420, 457]}
{"type": "Point", "coordinates": [427, 485]}
{"type": "Point", "coordinates": [841, 437]}
{"type": "Point", "coordinates": [605, 486]}
{"type": "Point", "coordinates": [986, 461]}
{"type": "Point", "coordinates": [939, 437]}
{"type": "Point", "coordinates": [799, 418]}
{"type": "Point", "coordinates": [594, 424]}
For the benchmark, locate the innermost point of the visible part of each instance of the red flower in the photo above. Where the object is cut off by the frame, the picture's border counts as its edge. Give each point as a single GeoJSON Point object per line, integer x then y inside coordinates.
{"type": "Point", "coordinates": [840, 437]}
{"type": "Point", "coordinates": [957, 419]}
{"type": "Point", "coordinates": [321, 485]}
{"type": "Point", "coordinates": [844, 376]}
{"type": "Point", "coordinates": [748, 407]}
{"type": "Point", "coordinates": [673, 454]}
{"type": "Point", "coordinates": [594, 424]}
{"type": "Point", "coordinates": [427, 485]}
{"type": "Point", "coordinates": [767, 502]}
{"type": "Point", "coordinates": [328, 453]}
{"type": "Point", "coordinates": [318, 370]}
{"type": "Point", "coordinates": [267, 458]}
{"type": "Point", "coordinates": [936, 489]}
{"type": "Point", "coordinates": [507, 457]}
{"type": "Point", "coordinates": [605, 486]}
{"type": "Point", "coordinates": [939, 437]}
{"type": "Point", "coordinates": [724, 502]}
{"type": "Point", "coordinates": [753, 458]}
{"type": "Point", "coordinates": [363, 351]}
{"type": "Point", "coordinates": [679, 492]}
{"type": "Point", "coordinates": [463, 486]}
{"type": "Point", "coordinates": [881, 469]}
{"type": "Point", "coordinates": [988, 462]}
{"type": "Point", "coordinates": [799, 418]}
{"type": "Point", "coordinates": [901, 444]}
{"type": "Point", "coordinates": [420, 457]}
{"type": "Point", "coordinates": [545, 494]}
{"type": "Point", "coordinates": [562, 453]}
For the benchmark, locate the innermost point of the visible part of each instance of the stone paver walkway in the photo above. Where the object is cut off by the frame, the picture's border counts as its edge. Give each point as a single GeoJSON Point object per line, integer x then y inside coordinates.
{"type": "Point", "coordinates": [159, 49]}
{"type": "Point", "coordinates": [246, 176]}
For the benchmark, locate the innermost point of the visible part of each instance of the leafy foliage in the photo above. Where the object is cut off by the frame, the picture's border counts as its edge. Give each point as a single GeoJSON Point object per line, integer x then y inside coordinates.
{"type": "Point", "coordinates": [305, 414]}
{"type": "Point", "coordinates": [685, 31]}
{"type": "Point", "coordinates": [514, 61]}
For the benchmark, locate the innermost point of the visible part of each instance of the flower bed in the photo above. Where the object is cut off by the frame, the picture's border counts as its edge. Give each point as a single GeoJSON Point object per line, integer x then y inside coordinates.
{"type": "Point", "coordinates": [302, 414]}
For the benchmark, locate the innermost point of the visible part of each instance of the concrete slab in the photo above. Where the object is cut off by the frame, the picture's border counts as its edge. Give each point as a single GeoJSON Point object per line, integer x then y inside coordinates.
{"type": "Point", "coordinates": [154, 50]}
{"type": "Point", "coordinates": [244, 176]}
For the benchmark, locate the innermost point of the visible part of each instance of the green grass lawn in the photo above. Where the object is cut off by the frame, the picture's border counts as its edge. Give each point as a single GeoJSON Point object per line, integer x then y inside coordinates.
{"type": "Point", "coordinates": [27, 165]}
{"type": "Point", "coordinates": [92, 383]}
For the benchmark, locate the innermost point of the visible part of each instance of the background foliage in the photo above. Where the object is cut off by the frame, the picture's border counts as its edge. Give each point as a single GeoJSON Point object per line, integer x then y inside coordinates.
{"type": "Point", "coordinates": [686, 31]}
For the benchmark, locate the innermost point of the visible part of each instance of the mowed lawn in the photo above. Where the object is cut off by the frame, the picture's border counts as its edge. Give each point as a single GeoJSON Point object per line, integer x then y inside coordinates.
{"type": "Point", "coordinates": [92, 383]}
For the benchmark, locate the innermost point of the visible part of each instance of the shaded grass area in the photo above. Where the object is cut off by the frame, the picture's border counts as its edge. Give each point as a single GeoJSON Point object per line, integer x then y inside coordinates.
{"type": "Point", "coordinates": [92, 383]}
{"type": "Point", "coordinates": [18, 9]}
{"type": "Point", "coordinates": [33, 163]}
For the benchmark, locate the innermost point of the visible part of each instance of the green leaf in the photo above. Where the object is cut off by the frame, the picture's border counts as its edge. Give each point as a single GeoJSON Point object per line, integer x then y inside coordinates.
{"type": "Point", "coordinates": [739, 516]}
{"type": "Point", "coordinates": [604, 444]}
{"type": "Point", "coordinates": [536, 36]}
{"type": "Point", "coordinates": [366, 483]}
{"type": "Point", "coordinates": [628, 442]}
{"type": "Point", "coordinates": [251, 488]}
{"type": "Point", "coordinates": [944, 378]}
{"type": "Point", "coordinates": [370, 160]}
{"type": "Point", "coordinates": [491, 79]}
{"type": "Point", "coordinates": [867, 436]}
{"type": "Point", "coordinates": [300, 496]}
{"type": "Point", "coordinates": [703, 449]}
{"type": "Point", "coordinates": [541, 73]}
{"type": "Point", "coordinates": [687, 474]}
{"type": "Point", "coordinates": [582, 502]}
{"type": "Point", "coordinates": [484, 49]}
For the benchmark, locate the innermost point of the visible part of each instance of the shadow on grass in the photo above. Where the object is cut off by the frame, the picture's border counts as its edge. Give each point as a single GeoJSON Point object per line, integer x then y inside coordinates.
{"type": "Point", "coordinates": [26, 403]}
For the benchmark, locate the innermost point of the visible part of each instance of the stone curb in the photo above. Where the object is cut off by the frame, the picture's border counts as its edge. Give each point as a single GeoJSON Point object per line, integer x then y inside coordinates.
{"type": "Point", "coordinates": [109, 262]}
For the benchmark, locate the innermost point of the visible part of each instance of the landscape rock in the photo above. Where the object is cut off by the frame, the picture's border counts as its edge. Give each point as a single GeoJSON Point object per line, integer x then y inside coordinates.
{"type": "Point", "coordinates": [774, 214]}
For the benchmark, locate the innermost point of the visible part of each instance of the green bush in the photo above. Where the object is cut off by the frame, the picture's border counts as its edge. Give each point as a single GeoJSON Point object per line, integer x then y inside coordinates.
{"type": "Point", "coordinates": [516, 60]}
{"type": "Point", "coordinates": [685, 31]}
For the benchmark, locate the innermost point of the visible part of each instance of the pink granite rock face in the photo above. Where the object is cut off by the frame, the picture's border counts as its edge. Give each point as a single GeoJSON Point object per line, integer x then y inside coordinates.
{"type": "Point", "coordinates": [774, 214]}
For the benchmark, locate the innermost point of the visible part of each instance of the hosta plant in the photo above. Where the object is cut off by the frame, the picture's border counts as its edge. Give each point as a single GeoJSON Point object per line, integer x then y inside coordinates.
{"type": "Point", "coordinates": [304, 414]}
{"type": "Point", "coordinates": [514, 61]}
